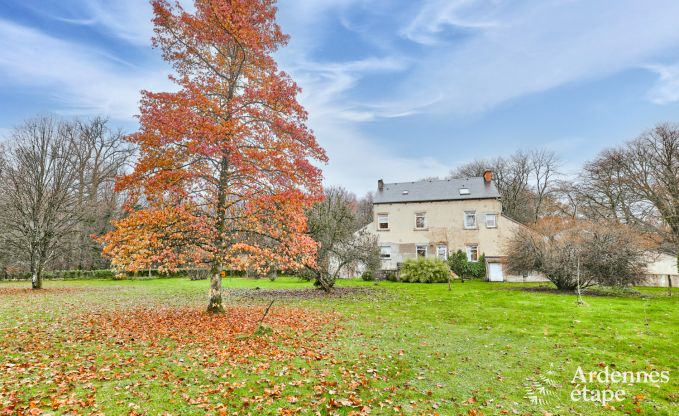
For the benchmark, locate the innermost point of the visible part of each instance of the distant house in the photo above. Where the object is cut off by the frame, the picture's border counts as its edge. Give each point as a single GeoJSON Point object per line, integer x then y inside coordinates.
{"type": "Point", "coordinates": [433, 218]}
{"type": "Point", "coordinates": [661, 270]}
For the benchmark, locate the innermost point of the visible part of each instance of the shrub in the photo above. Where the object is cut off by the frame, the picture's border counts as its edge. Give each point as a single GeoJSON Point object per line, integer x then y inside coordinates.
{"type": "Point", "coordinates": [458, 263]}
{"type": "Point", "coordinates": [574, 253]}
{"type": "Point", "coordinates": [198, 274]}
{"type": "Point", "coordinates": [425, 270]}
{"type": "Point", "coordinates": [477, 269]}
{"type": "Point", "coordinates": [390, 275]}
{"type": "Point", "coordinates": [368, 276]}
{"type": "Point", "coordinates": [466, 269]}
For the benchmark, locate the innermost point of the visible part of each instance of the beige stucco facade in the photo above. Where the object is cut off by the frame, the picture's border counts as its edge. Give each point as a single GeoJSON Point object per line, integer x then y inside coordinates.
{"type": "Point", "coordinates": [444, 226]}
{"type": "Point", "coordinates": [660, 268]}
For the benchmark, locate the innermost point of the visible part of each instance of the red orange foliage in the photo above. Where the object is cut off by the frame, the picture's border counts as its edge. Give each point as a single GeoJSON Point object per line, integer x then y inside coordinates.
{"type": "Point", "coordinates": [226, 162]}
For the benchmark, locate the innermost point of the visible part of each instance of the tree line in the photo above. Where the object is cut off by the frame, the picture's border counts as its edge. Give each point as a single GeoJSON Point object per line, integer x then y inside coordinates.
{"type": "Point", "coordinates": [635, 183]}
{"type": "Point", "coordinates": [599, 225]}
{"type": "Point", "coordinates": [56, 192]}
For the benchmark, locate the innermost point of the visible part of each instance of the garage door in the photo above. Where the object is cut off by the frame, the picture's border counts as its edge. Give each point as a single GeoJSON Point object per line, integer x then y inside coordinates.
{"type": "Point", "coordinates": [495, 272]}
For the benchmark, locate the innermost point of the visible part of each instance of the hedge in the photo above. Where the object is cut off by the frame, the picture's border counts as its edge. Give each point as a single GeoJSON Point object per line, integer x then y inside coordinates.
{"type": "Point", "coordinates": [466, 269]}
{"type": "Point", "coordinates": [425, 270]}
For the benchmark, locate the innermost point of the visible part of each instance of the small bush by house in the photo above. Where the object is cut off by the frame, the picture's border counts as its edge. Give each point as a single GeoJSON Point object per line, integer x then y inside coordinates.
{"type": "Point", "coordinates": [368, 276]}
{"type": "Point", "coordinates": [425, 270]}
{"type": "Point", "coordinates": [466, 269]}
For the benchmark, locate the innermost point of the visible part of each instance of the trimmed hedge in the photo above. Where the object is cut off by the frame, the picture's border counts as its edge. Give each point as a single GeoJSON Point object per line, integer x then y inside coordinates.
{"type": "Point", "coordinates": [424, 270]}
{"type": "Point", "coordinates": [62, 275]}
{"type": "Point", "coordinates": [102, 274]}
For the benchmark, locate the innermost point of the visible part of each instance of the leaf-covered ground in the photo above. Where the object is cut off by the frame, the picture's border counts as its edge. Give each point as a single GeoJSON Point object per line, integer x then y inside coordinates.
{"type": "Point", "coordinates": [147, 347]}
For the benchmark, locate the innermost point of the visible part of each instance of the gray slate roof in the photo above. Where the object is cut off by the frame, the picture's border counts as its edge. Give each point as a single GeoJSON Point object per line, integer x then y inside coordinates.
{"type": "Point", "coordinates": [435, 190]}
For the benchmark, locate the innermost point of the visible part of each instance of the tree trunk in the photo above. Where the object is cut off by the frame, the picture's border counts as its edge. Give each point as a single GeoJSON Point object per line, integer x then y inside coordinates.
{"type": "Point", "coordinates": [36, 279]}
{"type": "Point", "coordinates": [36, 275]}
{"type": "Point", "coordinates": [215, 305]}
{"type": "Point", "coordinates": [669, 285]}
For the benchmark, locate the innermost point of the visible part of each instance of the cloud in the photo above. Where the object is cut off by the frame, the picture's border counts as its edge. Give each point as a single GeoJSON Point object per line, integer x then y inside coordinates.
{"type": "Point", "coordinates": [666, 88]}
{"type": "Point", "coordinates": [357, 162]}
{"type": "Point", "coordinates": [335, 115]}
{"type": "Point", "coordinates": [81, 79]}
{"type": "Point", "coordinates": [126, 19]}
{"type": "Point", "coordinates": [436, 15]}
{"type": "Point", "coordinates": [526, 48]}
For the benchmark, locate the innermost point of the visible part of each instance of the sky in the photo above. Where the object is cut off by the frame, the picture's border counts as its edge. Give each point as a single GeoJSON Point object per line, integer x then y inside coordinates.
{"type": "Point", "coordinates": [399, 90]}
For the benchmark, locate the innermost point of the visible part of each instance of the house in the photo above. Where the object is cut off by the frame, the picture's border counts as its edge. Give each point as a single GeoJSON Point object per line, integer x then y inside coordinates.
{"type": "Point", "coordinates": [432, 218]}
{"type": "Point", "coordinates": [661, 270]}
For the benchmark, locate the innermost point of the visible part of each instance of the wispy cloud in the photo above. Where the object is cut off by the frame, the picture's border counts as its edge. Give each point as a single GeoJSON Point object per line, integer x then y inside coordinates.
{"type": "Point", "coordinates": [439, 59]}
{"type": "Point", "coordinates": [528, 47]}
{"type": "Point", "coordinates": [437, 15]}
{"type": "Point", "coordinates": [83, 80]}
{"type": "Point", "coordinates": [356, 160]}
{"type": "Point", "coordinates": [666, 88]}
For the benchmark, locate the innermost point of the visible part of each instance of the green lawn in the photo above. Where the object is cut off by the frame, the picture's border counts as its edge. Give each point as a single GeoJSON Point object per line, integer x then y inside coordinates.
{"type": "Point", "coordinates": [145, 347]}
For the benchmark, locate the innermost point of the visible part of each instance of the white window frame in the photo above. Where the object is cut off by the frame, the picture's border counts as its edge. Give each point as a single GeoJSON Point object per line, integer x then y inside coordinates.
{"type": "Point", "coordinates": [494, 216]}
{"type": "Point", "coordinates": [424, 220]}
{"type": "Point", "coordinates": [445, 252]}
{"type": "Point", "coordinates": [417, 248]}
{"type": "Point", "coordinates": [470, 213]}
{"type": "Point", "coordinates": [386, 256]}
{"type": "Point", "coordinates": [468, 249]}
{"type": "Point", "coordinates": [379, 222]}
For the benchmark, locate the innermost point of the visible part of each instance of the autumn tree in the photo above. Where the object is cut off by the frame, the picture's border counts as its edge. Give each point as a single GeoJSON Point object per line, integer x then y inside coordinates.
{"type": "Point", "coordinates": [230, 148]}
{"type": "Point", "coordinates": [335, 224]}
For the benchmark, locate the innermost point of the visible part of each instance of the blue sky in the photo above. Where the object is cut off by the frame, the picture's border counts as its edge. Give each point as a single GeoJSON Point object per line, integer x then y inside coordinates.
{"type": "Point", "coordinates": [398, 90]}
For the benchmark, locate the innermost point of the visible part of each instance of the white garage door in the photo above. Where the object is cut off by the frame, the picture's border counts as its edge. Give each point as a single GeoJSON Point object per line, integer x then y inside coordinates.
{"type": "Point", "coordinates": [495, 272]}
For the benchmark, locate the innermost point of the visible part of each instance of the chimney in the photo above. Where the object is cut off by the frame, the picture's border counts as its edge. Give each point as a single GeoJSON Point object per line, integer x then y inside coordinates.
{"type": "Point", "coordinates": [487, 175]}
{"type": "Point", "coordinates": [380, 185]}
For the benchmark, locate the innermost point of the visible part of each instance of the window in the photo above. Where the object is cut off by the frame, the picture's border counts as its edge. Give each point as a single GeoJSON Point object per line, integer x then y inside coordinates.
{"type": "Point", "coordinates": [420, 220]}
{"type": "Point", "coordinates": [421, 250]}
{"type": "Point", "coordinates": [442, 252]}
{"type": "Point", "coordinates": [470, 219]}
{"type": "Point", "coordinates": [472, 252]}
{"type": "Point", "coordinates": [491, 220]}
{"type": "Point", "coordinates": [385, 252]}
{"type": "Point", "coordinates": [382, 221]}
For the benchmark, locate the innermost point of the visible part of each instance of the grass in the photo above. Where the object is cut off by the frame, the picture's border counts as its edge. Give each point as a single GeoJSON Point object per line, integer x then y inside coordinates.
{"type": "Point", "coordinates": [144, 347]}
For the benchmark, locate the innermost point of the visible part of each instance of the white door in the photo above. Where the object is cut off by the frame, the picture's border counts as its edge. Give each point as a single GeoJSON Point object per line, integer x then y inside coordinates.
{"type": "Point", "coordinates": [495, 272]}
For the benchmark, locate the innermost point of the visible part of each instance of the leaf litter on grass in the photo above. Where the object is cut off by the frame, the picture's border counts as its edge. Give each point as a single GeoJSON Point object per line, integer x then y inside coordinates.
{"type": "Point", "coordinates": [201, 363]}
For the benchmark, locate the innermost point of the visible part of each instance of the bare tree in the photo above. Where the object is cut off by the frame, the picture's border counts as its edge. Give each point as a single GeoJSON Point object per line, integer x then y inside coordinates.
{"type": "Point", "coordinates": [544, 166]}
{"type": "Point", "coordinates": [603, 190]}
{"type": "Point", "coordinates": [333, 223]}
{"type": "Point", "coordinates": [39, 210]}
{"type": "Point", "coordinates": [4, 246]}
{"type": "Point", "coordinates": [574, 253]}
{"type": "Point", "coordinates": [567, 199]}
{"type": "Point", "coordinates": [365, 210]}
{"type": "Point", "coordinates": [511, 176]}
{"type": "Point", "coordinates": [101, 156]}
{"type": "Point", "coordinates": [638, 184]}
